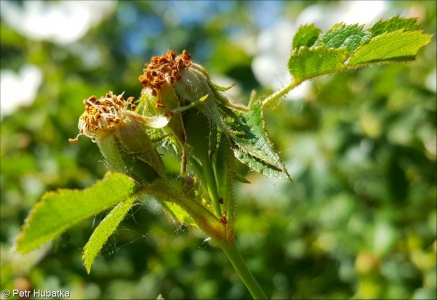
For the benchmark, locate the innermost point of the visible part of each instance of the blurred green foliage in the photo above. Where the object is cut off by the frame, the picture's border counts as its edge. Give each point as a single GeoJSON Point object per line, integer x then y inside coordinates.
{"type": "Point", "coordinates": [359, 220]}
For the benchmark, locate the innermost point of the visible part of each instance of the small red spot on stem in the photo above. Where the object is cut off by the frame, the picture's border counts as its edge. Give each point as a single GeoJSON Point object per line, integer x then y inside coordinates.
{"type": "Point", "coordinates": [224, 219]}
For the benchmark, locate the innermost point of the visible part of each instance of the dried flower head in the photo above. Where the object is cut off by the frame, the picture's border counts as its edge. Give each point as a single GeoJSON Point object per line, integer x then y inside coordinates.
{"type": "Point", "coordinates": [102, 115]}
{"type": "Point", "coordinates": [122, 136]}
{"type": "Point", "coordinates": [105, 115]}
{"type": "Point", "coordinates": [164, 69]}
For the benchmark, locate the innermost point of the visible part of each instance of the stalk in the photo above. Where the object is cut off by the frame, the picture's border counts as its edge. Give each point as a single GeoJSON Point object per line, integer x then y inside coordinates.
{"type": "Point", "coordinates": [273, 99]}
{"type": "Point", "coordinates": [212, 227]}
{"type": "Point", "coordinates": [243, 271]}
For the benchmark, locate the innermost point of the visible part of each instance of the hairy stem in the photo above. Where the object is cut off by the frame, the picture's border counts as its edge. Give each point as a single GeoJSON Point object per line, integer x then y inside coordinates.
{"type": "Point", "coordinates": [273, 99]}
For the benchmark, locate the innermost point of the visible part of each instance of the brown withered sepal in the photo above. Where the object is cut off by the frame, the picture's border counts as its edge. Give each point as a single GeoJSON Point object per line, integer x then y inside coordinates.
{"type": "Point", "coordinates": [162, 69]}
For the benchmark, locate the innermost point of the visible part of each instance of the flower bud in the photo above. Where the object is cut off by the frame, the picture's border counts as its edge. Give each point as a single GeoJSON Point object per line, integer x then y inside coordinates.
{"type": "Point", "coordinates": [122, 137]}
{"type": "Point", "coordinates": [189, 81]}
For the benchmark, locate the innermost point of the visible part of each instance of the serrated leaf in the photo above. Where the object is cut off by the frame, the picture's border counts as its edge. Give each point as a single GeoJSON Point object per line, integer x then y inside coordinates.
{"type": "Point", "coordinates": [305, 36]}
{"type": "Point", "coordinates": [257, 165]}
{"type": "Point", "coordinates": [310, 62]}
{"type": "Point", "coordinates": [341, 35]}
{"type": "Point", "coordinates": [397, 45]}
{"type": "Point", "coordinates": [394, 24]}
{"type": "Point", "coordinates": [253, 145]}
{"type": "Point", "coordinates": [57, 211]}
{"type": "Point", "coordinates": [103, 231]}
{"type": "Point", "coordinates": [350, 46]}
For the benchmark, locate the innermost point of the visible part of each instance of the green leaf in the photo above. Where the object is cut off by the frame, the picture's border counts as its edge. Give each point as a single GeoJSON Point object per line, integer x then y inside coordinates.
{"type": "Point", "coordinates": [60, 210]}
{"type": "Point", "coordinates": [394, 24]}
{"type": "Point", "coordinates": [341, 35]}
{"type": "Point", "coordinates": [103, 231]}
{"type": "Point", "coordinates": [346, 47]}
{"type": "Point", "coordinates": [305, 36]}
{"type": "Point", "coordinates": [390, 47]}
{"type": "Point", "coordinates": [306, 63]}
{"type": "Point", "coordinates": [253, 146]}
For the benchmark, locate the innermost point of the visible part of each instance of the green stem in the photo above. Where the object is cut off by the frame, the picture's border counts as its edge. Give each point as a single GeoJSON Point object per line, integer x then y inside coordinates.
{"type": "Point", "coordinates": [240, 266]}
{"type": "Point", "coordinates": [273, 99]}
{"type": "Point", "coordinates": [211, 226]}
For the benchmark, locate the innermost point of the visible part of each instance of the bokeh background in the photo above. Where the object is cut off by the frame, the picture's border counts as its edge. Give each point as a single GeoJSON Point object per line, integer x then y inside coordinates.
{"type": "Point", "coordinates": [358, 221]}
